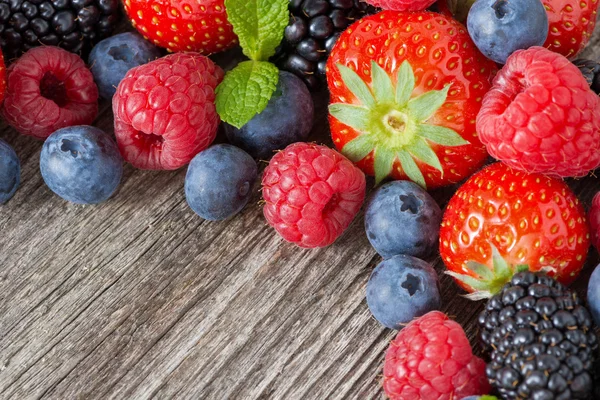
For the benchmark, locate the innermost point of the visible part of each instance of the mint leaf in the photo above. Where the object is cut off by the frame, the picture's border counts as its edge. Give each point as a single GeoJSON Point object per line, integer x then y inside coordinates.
{"type": "Point", "coordinates": [259, 25]}
{"type": "Point", "coordinates": [245, 91]}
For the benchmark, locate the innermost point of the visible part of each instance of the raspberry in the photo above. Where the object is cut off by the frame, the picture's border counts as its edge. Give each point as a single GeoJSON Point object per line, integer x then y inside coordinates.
{"type": "Point", "coordinates": [431, 359]}
{"type": "Point", "coordinates": [312, 194]}
{"type": "Point", "coordinates": [49, 88]}
{"type": "Point", "coordinates": [595, 221]}
{"type": "Point", "coordinates": [164, 111]}
{"type": "Point", "coordinates": [540, 116]}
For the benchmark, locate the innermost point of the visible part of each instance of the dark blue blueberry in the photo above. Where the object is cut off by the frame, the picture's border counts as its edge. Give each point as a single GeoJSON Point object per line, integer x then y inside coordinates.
{"type": "Point", "coordinates": [219, 182]}
{"type": "Point", "coordinates": [593, 295]}
{"type": "Point", "coordinates": [402, 288]}
{"type": "Point", "coordinates": [288, 118]}
{"type": "Point", "coordinates": [402, 218]}
{"type": "Point", "coordinates": [10, 172]}
{"type": "Point", "coordinates": [113, 57]}
{"type": "Point", "coordinates": [500, 27]}
{"type": "Point", "coordinates": [81, 164]}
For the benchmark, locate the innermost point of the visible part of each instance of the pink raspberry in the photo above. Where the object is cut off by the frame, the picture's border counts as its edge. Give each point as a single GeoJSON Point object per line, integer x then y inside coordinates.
{"type": "Point", "coordinates": [594, 219]}
{"type": "Point", "coordinates": [402, 5]}
{"type": "Point", "coordinates": [49, 88]}
{"type": "Point", "coordinates": [541, 116]}
{"type": "Point", "coordinates": [312, 194]}
{"type": "Point", "coordinates": [164, 111]}
{"type": "Point", "coordinates": [431, 359]}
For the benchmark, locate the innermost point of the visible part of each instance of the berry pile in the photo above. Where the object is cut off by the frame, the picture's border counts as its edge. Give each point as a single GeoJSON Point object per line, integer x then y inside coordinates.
{"type": "Point", "coordinates": [417, 100]}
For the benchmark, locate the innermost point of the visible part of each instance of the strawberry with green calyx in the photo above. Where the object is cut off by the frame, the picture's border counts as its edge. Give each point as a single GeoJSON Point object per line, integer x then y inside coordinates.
{"type": "Point", "coordinates": [405, 90]}
{"type": "Point", "coordinates": [245, 91]}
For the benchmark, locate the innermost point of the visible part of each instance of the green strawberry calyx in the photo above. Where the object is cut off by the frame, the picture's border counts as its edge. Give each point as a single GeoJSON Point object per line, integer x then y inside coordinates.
{"type": "Point", "coordinates": [392, 123]}
{"type": "Point", "coordinates": [488, 281]}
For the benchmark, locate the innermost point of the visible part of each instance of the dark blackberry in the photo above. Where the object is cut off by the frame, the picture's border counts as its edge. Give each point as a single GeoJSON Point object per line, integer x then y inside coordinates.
{"type": "Point", "coordinates": [314, 27]}
{"type": "Point", "coordinates": [542, 340]}
{"type": "Point", "coordinates": [74, 25]}
{"type": "Point", "coordinates": [591, 71]}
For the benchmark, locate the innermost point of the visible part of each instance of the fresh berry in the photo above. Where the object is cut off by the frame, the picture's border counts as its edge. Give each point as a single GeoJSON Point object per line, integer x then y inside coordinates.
{"type": "Point", "coordinates": [405, 91]}
{"type": "Point", "coordinates": [112, 58]}
{"type": "Point", "coordinates": [571, 25]}
{"type": "Point", "coordinates": [484, 397]}
{"type": "Point", "coordinates": [402, 218]}
{"type": "Point", "coordinates": [402, 5]}
{"type": "Point", "coordinates": [541, 116]}
{"type": "Point", "coordinates": [219, 182]}
{"type": "Point", "coordinates": [2, 78]}
{"type": "Point", "coordinates": [593, 295]}
{"type": "Point", "coordinates": [81, 164]}
{"type": "Point", "coordinates": [10, 172]}
{"type": "Point", "coordinates": [530, 218]}
{"type": "Point", "coordinates": [542, 340]}
{"type": "Point", "coordinates": [74, 25]}
{"type": "Point", "coordinates": [314, 27]}
{"type": "Point", "coordinates": [199, 26]}
{"type": "Point", "coordinates": [595, 221]}
{"type": "Point", "coordinates": [500, 27]}
{"type": "Point", "coordinates": [49, 88]}
{"type": "Point", "coordinates": [431, 359]}
{"type": "Point", "coordinates": [312, 194]}
{"type": "Point", "coordinates": [591, 72]}
{"type": "Point", "coordinates": [288, 118]}
{"type": "Point", "coordinates": [164, 111]}
{"type": "Point", "coordinates": [400, 289]}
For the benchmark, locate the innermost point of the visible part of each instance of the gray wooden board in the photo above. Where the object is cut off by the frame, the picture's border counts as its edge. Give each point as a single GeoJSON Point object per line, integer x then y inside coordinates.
{"type": "Point", "coordinates": [139, 297]}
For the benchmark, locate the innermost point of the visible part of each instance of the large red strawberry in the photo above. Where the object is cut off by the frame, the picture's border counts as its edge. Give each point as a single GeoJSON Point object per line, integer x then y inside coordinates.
{"type": "Point", "coordinates": [571, 24]}
{"type": "Point", "coordinates": [199, 26]}
{"type": "Point", "coordinates": [405, 91]}
{"type": "Point", "coordinates": [531, 219]}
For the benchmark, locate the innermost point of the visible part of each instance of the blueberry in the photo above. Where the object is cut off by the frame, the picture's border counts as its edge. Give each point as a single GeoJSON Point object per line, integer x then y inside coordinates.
{"type": "Point", "coordinates": [81, 164]}
{"type": "Point", "coordinates": [593, 295]}
{"type": "Point", "coordinates": [10, 172]}
{"type": "Point", "coordinates": [500, 27]}
{"type": "Point", "coordinates": [402, 288]}
{"type": "Point", "coordinates": [113, 57]}
{"type": "Point", "coordinates": [402, 218]}
{"type": "Point", "coordinates": [288, 118]}
{"type": "Point", "coordinates": [219, 181]}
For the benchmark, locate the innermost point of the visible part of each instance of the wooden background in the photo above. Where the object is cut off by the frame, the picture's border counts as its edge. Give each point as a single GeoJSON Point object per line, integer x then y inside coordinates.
{"type": "Point", "coordinates": [139, 297]}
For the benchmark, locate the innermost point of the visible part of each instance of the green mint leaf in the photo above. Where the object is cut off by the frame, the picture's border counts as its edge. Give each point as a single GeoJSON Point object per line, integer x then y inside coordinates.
{"type": "Point", "coordinates": [358, 148]}
{"type": "Point", "coordinates": [356, 85]}
{"type": "Point", "coordinates": [354, 116]}
{"type": "Point", "coordinates": [411, 169]}
{"type": "Point", "coordinates": [405, 83]}
{"type": "Point", "coordinates": [245, 91]}
{"type": "Point", "coordinates": [440, 135]}
{"type": "Point", "coordinates": [384, 161]}
{"type": "Point", "coordinates": [421, 151]}
{"type": "Point", "coordinates": [259, 25]}
{"type": "Point", "coordinates": [381, 84]}
{"type": "Point", "coordinates": [423, 107]}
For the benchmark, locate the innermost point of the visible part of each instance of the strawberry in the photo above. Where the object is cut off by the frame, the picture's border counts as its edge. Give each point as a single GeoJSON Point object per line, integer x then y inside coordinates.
{"type": "Point", "coordinates": [571, 24]}
{"type": "Point", "coordinates": [199, 26]}
{"type": "Point", "coordinates": [405, 91]}
{"type": "Point", "coordinates": [531, 219]}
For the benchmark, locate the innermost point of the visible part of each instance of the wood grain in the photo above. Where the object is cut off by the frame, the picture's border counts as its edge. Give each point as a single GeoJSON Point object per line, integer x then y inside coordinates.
{"type": "Point", "coordinates": [140, 298]}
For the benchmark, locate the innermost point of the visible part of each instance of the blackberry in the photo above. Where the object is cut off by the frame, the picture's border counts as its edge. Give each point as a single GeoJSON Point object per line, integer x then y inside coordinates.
{"type": "Point", "coordinates": [314, 27]}
{"type": "Point", "coordinates": [591, 72]}
{"type": "Point", "coordinates": [542, 339]}
{"type": "Point", "coordinates": [74, 25]}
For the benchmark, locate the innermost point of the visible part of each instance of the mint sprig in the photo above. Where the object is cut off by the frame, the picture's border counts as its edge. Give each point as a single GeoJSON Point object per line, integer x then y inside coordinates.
{"type": "Point", "coordinates": [245, 91]}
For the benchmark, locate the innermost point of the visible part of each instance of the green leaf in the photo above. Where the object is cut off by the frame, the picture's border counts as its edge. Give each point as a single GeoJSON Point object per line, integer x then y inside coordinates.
{"type": "Point", "coordinates": [481, 270]}
{"type": "Point", "coordinates": [521, 268]}
{"type": "Point", "coordinates": [358, 148]}
{"type": "Point", "coordinates": [381, 84]}
{"type": "Point", "coordinates": [245, 91]}
{"type": "Point", "coordinates": [405, 83]}
{"type": "Point", "coordinates": [423, 107]}
{"type": "Point", "coordinates": [501, 268]}
{"type": "Point", "coordinates": [411, 169]}
{"type": "Point", "coordinates": [421, 150]}
{"type": "Point", "coordinates": [259, 25]}
{"type": "Point", "coordinates": [440, 135]}
{"type": "Point", "coordinates": [356, 85]}
{"type": "Point", "coordinates": [356, 117]}
{"type": "Point", "coordinates": [384, 161]}
{"type": "Point", "coordinates": [469, 281]}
